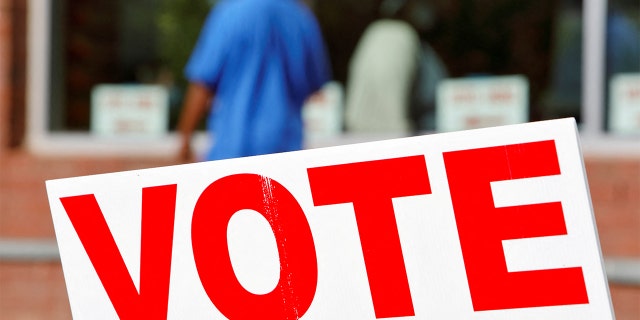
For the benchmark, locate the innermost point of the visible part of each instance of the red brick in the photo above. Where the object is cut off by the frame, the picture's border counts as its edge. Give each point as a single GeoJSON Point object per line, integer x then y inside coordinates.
{"type": "Point", "coordinates": [33, 291]}
{"type": "Point", "coordinates": [626, 302]}
{"type": "Point", "coordinates": [23, 199]}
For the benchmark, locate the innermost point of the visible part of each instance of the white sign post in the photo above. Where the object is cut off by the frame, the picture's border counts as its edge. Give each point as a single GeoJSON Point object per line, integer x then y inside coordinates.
{"type": "Point", "coordinates": [486, 224]}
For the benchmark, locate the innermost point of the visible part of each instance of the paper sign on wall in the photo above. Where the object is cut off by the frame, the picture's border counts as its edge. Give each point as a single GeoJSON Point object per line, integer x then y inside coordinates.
{"type": "Point", "coordinates": [485, 224]}
{"type": "Point", "coordinates": [624, 103]}
{"type": "Point", "coordinates": [478, 102]}
{"type": "Point", "coordinates": [129, 110]}
{"type": "Point", "coordinates": [322, 114]}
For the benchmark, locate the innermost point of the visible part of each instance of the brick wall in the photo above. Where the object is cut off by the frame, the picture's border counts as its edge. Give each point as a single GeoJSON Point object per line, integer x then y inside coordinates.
{"type": "Point", "coordinates": [615, 193]}
{"type": "Point", "coordinates": [30, 291]}
{"type": "Point", "coordinates": [24, 209]}
{"type": "Point", "coordinates": [12, 72]}
{"type": "Point", "coordinates": [6, 30]}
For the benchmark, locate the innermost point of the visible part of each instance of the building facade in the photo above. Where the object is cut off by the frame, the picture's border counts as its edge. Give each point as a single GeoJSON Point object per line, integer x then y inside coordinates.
{"type": "Point", "coordinates": [31, 280]}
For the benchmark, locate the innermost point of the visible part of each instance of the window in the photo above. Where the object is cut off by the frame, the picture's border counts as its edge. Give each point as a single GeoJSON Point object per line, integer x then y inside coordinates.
{"type": "Point", "coordinates": [76, 46]}
{"type": "Point", "coordinates": [561, 47]}
{"type": "Point", "coordinates": [117, 42]}
{"type": "Point", "coordinates": [622, 68]}
{"type": "Point", "coordinates": [540, 41]}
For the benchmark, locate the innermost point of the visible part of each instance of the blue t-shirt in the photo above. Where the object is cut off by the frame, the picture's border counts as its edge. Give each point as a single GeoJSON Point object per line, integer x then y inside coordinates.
{"type": "Point", "coordinates": [262, 59]}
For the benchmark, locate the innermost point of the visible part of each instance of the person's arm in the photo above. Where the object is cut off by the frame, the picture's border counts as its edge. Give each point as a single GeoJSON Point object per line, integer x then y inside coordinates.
{"type": "Point", "coordinates": [196, 104]}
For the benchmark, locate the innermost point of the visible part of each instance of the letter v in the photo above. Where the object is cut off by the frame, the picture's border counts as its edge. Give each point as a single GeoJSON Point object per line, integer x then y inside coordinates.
{"type": "Point", "coordinates": [158, 213]}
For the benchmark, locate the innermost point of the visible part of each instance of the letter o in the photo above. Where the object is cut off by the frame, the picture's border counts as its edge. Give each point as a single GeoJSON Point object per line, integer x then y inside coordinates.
{"type": "Point", "coordinates": [296, 287]}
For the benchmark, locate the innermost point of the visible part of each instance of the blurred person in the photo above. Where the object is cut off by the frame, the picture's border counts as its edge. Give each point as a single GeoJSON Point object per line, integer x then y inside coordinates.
{"type": "Point", "coordinates": [254, 65]}
{"type": "Point", "coordinates": [382, 72]}
{"type": "Point", "coordinates": [430, 71]}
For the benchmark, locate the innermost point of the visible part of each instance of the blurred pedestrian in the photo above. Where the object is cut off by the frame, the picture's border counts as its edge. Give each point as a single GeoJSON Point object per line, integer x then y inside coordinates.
{"type": "Point", "coordinates": [254, 65]}
{"type": "Point", "coordinates": [382, 72]}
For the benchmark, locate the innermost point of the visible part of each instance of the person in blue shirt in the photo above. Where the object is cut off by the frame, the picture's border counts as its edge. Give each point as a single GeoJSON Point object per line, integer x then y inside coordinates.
{"type": "Point", "coordinates": [253, 66]}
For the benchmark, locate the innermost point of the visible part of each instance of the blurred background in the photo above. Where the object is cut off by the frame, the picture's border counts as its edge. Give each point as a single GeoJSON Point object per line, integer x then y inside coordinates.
{"type": "Point", "coordinates": [65, 65]}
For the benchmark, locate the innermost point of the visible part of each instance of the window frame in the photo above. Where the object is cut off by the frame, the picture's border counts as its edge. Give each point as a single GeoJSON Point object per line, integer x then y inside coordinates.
{"type": "Point", "coordinates": [40, 140]}
{"type": "Point", "coordinates": [595, 140]}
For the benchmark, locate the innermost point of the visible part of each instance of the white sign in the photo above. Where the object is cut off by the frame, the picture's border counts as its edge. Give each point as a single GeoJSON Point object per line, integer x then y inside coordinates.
{"type": "Point", "coordinates": [480, 102]}
{"type": "Point", "coordinates": [485, 224]}
{"type": "Point", "coordinates": [624, 103]}
{"type": "Point", "coordinates": [129, 110]}
{"type": "Point", "coordinates": [322, 114]}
